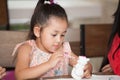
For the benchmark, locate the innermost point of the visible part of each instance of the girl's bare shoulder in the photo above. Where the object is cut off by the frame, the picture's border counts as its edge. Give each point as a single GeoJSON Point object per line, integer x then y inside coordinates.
{"type": "Point", "coordinates": [25, 48]}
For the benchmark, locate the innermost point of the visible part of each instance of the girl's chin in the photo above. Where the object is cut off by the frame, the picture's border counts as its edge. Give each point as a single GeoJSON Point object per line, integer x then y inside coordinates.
{"type": "Point", "coordinates": [52, 51]}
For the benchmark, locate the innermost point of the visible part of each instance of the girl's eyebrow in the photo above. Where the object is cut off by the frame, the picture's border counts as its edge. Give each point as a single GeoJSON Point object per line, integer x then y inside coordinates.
{"type": "Point", "coordinates": [63, 32]}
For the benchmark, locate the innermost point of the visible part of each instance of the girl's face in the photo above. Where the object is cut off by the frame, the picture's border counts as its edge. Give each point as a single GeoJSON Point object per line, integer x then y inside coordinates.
{"type": "Point", "coordinates": [52, 36]}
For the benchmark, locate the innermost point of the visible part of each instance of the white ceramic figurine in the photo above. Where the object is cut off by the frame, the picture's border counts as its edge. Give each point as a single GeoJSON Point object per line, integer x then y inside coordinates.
{"type": "Point", "coordinates": [77, 71]}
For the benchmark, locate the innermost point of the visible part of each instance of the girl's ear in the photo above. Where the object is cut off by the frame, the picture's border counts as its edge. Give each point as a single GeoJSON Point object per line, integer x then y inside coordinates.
{"type": "Point", "coordinates": [37, 31]}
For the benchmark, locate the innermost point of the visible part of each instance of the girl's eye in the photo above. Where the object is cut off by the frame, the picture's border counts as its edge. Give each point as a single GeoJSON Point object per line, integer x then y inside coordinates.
{"type": "Point", "coordinates": [54, 35]}
{"type": "Point", "coordinates": [63, 35]}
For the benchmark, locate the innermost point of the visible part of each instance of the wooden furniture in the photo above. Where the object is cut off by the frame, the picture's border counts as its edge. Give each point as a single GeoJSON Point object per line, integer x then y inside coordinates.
{"type": "Point", "coordinates": [4, 17]}
{"type": "Point", "coordinates": [94, 39]}
{"type": "Point", "coordinates": [8, 40]}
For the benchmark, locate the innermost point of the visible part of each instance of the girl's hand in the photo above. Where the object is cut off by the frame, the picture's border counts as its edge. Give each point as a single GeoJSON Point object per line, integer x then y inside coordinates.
{"type": "Point", "coordinates": [2, 72]}
{"type": "Point", "coordinates": [107, 68]}
{"type": "Point", "coordinates": [56, 57]}
{"type": "Point", "coordinates": [87, 71]}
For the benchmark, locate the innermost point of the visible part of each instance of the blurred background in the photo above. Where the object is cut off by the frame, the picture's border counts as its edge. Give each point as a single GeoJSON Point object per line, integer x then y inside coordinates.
{"type": "Point", "coordinates": [79, 11]}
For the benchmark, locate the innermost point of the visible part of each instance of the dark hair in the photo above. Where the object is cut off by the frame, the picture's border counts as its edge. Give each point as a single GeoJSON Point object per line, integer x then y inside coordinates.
{"type": "Point", "coordinates": [116, 26]}
{"type": "Point", "coordinates": [115, 30]}
{"type": "Point", "coordinates": [43, 12]}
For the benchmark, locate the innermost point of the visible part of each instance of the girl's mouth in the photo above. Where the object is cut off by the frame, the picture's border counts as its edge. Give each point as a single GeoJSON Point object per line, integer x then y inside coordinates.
{"type": "Point", "coordinates": [56, 46]}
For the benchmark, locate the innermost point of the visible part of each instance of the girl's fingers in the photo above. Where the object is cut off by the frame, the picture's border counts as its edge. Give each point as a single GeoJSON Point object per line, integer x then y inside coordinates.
{"type": "Point", "coordinates": [2, 75]}
{"type": "Point", "coordinates": [87, 76]}
{"type": "Point", "coordinates": [2, 72]}
{"type": "Point", "coordinates": [87, 72]}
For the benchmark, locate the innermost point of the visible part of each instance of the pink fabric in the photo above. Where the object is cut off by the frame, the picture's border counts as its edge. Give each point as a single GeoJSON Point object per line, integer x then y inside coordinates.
{"type": "Point", "coordinates": [9, 76]}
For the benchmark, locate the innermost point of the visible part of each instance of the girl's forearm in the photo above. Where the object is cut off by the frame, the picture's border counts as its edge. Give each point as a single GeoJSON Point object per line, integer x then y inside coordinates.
{"type": "Point", "coordinates": [73, 61]}
{"type": "Point", "coordinates": [33, 72]}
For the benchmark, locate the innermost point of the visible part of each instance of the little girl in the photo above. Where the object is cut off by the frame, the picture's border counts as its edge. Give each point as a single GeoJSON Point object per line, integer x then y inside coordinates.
{"type": "Point", "coordinates": [46, 54]}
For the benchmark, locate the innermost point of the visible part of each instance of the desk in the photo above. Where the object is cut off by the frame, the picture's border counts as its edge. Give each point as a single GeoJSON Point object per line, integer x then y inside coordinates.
{"type": "Point", "coordinates": [98, 76]}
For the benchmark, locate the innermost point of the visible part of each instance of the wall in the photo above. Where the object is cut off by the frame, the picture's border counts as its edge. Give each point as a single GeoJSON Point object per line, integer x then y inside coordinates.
{"type": "Point", "coordinates": [108, 9]}
{"type": "Point", "coordinates": [20, 11]}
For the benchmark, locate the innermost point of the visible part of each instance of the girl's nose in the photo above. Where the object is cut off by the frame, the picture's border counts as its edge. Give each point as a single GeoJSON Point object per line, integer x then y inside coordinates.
{"type": "Point", "coordinates": [58, 39]}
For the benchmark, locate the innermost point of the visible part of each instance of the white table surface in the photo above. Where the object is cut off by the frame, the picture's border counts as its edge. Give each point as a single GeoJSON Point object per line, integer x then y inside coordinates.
{"type": "Point", "coordinates": [94, 77]}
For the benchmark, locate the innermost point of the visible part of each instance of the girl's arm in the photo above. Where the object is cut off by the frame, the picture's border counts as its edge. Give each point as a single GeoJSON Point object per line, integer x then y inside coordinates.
{"type": "Point", "coordinates": [73, 59]}
{"type": "Point", "coordinates": [23, 71]}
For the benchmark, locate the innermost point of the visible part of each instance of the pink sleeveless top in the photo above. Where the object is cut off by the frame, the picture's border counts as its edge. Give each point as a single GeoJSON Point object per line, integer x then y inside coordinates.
{"type": "Point", "coordinates": [38, 56]}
